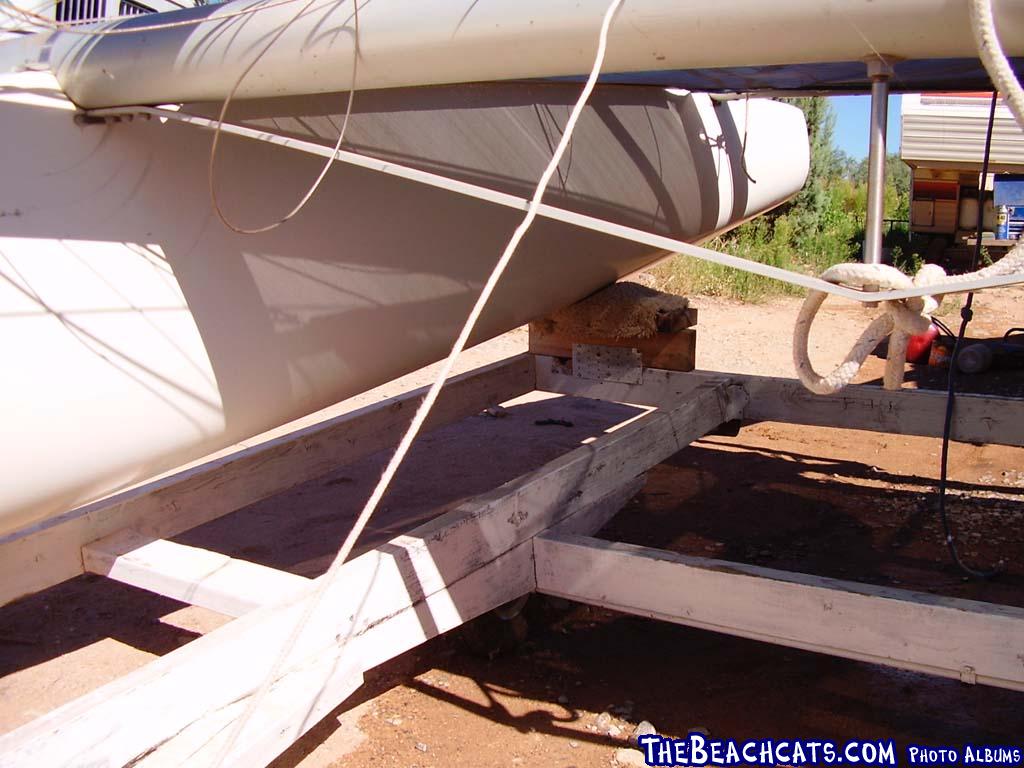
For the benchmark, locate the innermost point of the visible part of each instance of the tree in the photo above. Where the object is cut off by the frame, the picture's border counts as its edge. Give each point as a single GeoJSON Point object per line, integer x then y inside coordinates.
{"type": "Point", "coordinates": [808, 209]}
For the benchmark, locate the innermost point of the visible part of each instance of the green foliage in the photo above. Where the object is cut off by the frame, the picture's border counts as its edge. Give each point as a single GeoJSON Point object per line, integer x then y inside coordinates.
{"type": "Point", "coordinates": [821, 226]}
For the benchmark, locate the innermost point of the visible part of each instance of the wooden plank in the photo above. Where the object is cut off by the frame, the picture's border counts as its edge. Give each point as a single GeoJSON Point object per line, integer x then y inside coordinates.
{"type": "Point", "coordinates": [234, 587]}
{"type": "Point", "coordinates": [50, 552]}
{"type": "Point", "coordinates": [506, 578]}
{"type": "Point", "coordinates": [181, 709]}
{"type": "Point", "coordinates": [190, 574]}
{"type": "Point", "coordinates": [463, 562]}
{"type": "Point", "coordinates": [940, 635]}
{"type": "Point", "coordinates": [658, 387]}
{"type": "Point", "coordinates": [592, 519]}
{"type": "Point", "coordinates": [976, 419]}
{"type": "Point", "coordinates": [675, 351]}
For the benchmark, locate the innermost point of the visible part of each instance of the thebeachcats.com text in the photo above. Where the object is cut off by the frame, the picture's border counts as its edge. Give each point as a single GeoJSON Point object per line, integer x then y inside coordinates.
{"type": "Point", "coordinates": [699, 750]}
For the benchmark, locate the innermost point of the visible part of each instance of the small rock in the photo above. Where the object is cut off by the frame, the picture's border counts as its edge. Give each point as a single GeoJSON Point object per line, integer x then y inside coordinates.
{"type": "Point", "coordinates": [625, 756]}
{"type": "Point", "coordinates": [643, 728]}
{"type": "Point", "coordinates": [574, 744]}
{"type": "Point", "coordinates": [422, 747]}
{"type": "Point", "coordinates": [604, 720]}
{"type": "Point", "coordinates": [699, 729]}
{"type": "Point", "coordinates": [563, 699]}
{"type": "Point", "coordinates": [395, 721]}
{"type": "Point", "coordinates": [614, 731]}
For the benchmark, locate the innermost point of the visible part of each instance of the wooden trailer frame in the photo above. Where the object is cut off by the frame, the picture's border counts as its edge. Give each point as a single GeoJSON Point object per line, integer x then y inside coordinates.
{"type": "Point", "coordinates": [206, 703]}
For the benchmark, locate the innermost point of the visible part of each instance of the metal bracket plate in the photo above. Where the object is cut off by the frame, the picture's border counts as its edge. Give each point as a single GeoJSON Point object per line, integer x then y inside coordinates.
{"type": "Point", "coordinates": [592, 361]}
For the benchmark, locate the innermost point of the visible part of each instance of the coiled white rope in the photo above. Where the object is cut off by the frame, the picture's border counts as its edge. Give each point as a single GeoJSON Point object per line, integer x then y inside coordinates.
{"type": "Point", "coordinates": [900, 319]}
{"type": "Point", "coordinates": [905, 318]}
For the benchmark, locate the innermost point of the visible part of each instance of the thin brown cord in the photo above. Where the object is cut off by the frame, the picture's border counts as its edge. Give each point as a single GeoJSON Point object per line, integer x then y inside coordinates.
{"type": "Point", "coordinates": [337, 145]}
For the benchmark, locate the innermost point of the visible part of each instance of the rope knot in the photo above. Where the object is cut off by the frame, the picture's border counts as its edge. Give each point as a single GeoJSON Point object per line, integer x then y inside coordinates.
{"type": "Point", "coordinates": [900, 320]}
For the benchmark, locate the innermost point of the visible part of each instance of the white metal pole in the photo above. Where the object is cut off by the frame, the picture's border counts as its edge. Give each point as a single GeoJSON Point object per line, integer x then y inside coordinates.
{"type": "Point", "coordinates": [879, 70]}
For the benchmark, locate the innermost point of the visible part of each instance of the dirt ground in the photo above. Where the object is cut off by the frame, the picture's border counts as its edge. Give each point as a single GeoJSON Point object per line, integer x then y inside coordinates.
{"type": "Point", "coordinates": [565, 684]}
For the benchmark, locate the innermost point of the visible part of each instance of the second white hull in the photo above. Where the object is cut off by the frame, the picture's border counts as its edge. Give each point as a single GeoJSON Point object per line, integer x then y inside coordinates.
{"type": "Point", "coordinates": [138, 333]}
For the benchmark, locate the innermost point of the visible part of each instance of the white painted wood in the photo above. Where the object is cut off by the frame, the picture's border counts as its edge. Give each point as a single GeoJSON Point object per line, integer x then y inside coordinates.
{"type": "Point", "coordinates": [190, 574]}
{"type": "Point", "coordinates": [976, 419]}
{"type": "Point", "coordinates": [939, 635]}
{"type": "Point", "coordinates": [462, 563]}
{"type": "Point", "coordinates": [588, 521]}
{"type": "Point", "coordinates": [50, 552]}
{"type": "Point", "coordinates": [234, 587]}
{"type": "Point", "coordinates": [658, 387]}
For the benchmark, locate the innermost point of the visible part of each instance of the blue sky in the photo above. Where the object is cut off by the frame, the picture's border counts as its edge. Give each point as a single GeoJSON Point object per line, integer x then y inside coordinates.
{"type": "Point", "coordinates": [852, 114]}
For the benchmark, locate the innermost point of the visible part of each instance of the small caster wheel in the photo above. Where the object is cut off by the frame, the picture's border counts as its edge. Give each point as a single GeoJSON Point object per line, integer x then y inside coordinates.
{"type": "Point", "coordinates": [498, 631]}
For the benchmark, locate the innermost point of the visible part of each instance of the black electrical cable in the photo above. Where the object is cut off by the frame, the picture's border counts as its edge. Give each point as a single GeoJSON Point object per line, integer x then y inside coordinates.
{"type": "Point", "coordinates": [966, 313]}
{"type": "Point", "coordinates": [943, 327]}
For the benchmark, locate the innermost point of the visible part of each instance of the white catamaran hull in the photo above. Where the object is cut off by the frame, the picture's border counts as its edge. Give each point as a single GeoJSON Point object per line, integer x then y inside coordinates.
{"type": "Point", "coordinates": [137, 332]}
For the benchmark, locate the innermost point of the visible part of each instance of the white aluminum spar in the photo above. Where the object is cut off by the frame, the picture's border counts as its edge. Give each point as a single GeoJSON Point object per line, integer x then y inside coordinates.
{"type": "Point", "coordinates": [424, 42]}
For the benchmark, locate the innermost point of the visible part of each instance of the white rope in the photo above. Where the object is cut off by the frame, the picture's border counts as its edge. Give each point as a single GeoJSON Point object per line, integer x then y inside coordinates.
{"type": "Point", "coordinates": [908, 317]}
{"type": "Point", "coordinates": [994, 59]}
{"type": "Point", "coordinates": [902, 319]}
{"type": "Point", "coordinates": [322, 584]}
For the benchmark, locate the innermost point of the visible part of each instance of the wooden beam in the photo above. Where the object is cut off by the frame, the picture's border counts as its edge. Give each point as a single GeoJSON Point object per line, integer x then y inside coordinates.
{"type": "Point", "coordinates": [973, 641]}
{"type": "Point", "coordinates": [976, 419]}
{"type": "Point", "coordinates": [234, 587]}
{"type": "Point", "coordinates": [589, 521]}
{"type": "Point", "coordinates": [459, 564]}
{"type": "Point", "coordinates": [49, 552]}
{"type": "Point", "coordinates": [182, 708]}
{"type": "Point", "coordinates": [190, 574]}
{"type": "Point", "coordinates": [658, 387]}
{"type": "Point", "coordinates": [675, 351]}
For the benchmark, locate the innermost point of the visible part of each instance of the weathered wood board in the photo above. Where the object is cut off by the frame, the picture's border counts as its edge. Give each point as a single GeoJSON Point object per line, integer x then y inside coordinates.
{"type": "Point", "coordinates": [976, 418]}
{"type": "Point", "coordinates": [973, 641]}
{"type": "Point", "coordinates": [458, 565]}
{"type": "Point", "coordinates": [50, 552]}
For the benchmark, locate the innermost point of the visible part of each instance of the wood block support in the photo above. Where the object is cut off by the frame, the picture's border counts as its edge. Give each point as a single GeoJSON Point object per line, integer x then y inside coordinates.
{"type": "Point", "coordinates": [676, 350]}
